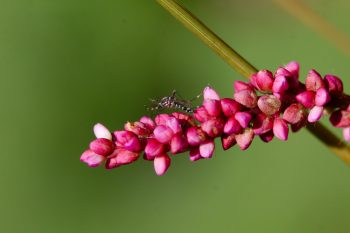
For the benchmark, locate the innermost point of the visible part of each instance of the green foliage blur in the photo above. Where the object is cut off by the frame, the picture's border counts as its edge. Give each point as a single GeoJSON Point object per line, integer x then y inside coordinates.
{"type": "Point", "coordinates": [65, 65]}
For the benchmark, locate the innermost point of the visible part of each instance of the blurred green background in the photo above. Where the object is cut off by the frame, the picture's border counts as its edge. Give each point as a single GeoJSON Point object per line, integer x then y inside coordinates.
{"type": "Point", "coordinates": [65, 65]}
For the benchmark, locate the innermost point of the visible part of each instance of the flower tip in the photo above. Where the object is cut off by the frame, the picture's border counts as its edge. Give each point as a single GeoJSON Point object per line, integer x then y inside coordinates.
{"type": "Point", "coordinates": [280, 129]}
{"type": "Point", "coordinates": [210, 93]}
{"type": "Point", "coordinates": [91, 158]}
{"type": "Point", "coordinates": [101, 131]}
{"type": "Point", "coordinates": [161, 164]}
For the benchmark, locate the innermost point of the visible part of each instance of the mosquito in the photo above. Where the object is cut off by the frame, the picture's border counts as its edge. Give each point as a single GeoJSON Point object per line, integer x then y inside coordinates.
{"type": "Point", "coordinates": [174, 101]}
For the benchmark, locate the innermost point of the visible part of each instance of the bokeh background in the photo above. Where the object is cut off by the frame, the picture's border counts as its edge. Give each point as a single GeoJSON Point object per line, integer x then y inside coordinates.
{"type": "Point", "coordinates": [65, 65]}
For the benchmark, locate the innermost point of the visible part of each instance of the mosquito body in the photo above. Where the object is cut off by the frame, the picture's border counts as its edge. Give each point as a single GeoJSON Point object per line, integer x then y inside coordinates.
{"type": "Point", "coordinates": [174, 101]}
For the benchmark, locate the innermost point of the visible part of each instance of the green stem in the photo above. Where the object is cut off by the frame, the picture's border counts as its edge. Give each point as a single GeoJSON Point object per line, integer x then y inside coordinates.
{"type": "Point", "coordinates": [242, 66]}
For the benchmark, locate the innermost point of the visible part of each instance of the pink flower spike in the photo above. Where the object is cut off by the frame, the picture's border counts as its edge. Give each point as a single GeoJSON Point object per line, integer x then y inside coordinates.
{"type": "Point", "coordinates": [214, 127]}
{"type": "Point", "coordinates": [206, 149]}
{"type": "Point", "coordinates": [228, 141]}
{"type": "Point", "coordinates": [102, 146]}
{"type": "Point", "coordinates": [306, 98]}
{"type": "Point", "coordinates": [346, 134]}
{"type": "Point", "coordinates": [315, 114]}
{"type": "Point", "coordinates": [201, 114]}
{"type": "Point", "coordinates": [267, 137]}
{"type": "Point", "coordinates": [243, 118]}
{"type": "Point", "coordinates": [124, 157]}
{"type": "Point", "coordinates": [245, 139]}
{"type": "Point", "coordinates": [340, 119]}
{"type": "Point", "coordinates": [264, 80]}
{"type": "Point", "coordinates": [92, 159]}
{"type": "Point", "coordinates": [195, 136]}
{"type": "Point", "coordinates": [334, 84]}
{"type": "Point", "coordinates": [209, 93]}
{"type": "Point", "coordinates": [294, 114]}
{"type": "Point", "coordinates": [314, 81]}
{"type": "Point", "coordinates": [280, 84]}
{"type": "Point", "coordinates": [178, 144]}
{"type": "Point", "coordinates": [232, 126]}
{"type": "Point", "coordinates": [101, 131]}
{"type": "Point", "coordinates": [194, 154]}
{"type": "Point", "coordinates": [213, 107]}
{"type": "Point", "coordinates": [163, 134]}
{"type": "Point", "coordinates": [241, 86]}
{"type": "Point", "coordinates": [247, 98]}
{"type": "Point", "coordinates": [229, 106]}
{"type": "Point", "coordinates": [154, 148]}
{"type": "Point", "coordinates": [149, 123]}
{"type": "Point", "coordinates": [293, 68]}
{"type": "Point", "coordinates": [322, 97]}
{"type": "Point", "coordinates": [280, 129]}
{"type": "Point", "coordinates": [269, 104]}
{"type": "Point", "coordinates": [161, 164]}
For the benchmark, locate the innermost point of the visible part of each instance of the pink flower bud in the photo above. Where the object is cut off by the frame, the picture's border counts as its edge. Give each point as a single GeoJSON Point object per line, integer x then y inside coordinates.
{"type": "Point", "coordinates": [174, 125]}
{"type": "Point", "coordinates": [210, 93]}
{"type": "Point", "coordinates": [232, 126]}
{"type": "Point", "coordinates": [161, 164]}
{"type": "Point", "coordinates": [195, 136]}
{"type": "Point", "coordinates": [247, 98]}
{"type": "Point", "coordinates": [262, 124]}
{"type": "Point", "coordinates": [201, 114]}
{"type": "Point", "coordinates": [264, 80]}
{"type": "Point", "coordinates": [283, 72]}
{"type": "Point", "coordinates": [315, 114]}
{"type": "Point", "coordinates": [241, 86]}
{"type": "Point", "coordinates": [280, 84]}
{"type": "Point", "coordinates": [280, 129]}
{"type": "Point", "coordinates": [213, 127]}
{"type": "Point", "coordinates": [229, 106]}
{"type": "Point", "coordinates": [243, 118]}
{"type": "Point", "coordinates": [267, 137]}
{"type": "Point", "coordinates": [340, 119]}
{"type": "Point", "coordinates": [346, 134]}
{"type": "Point", "coordinates": [334, 84]}
{"type": "Point", "coordinates": [102, 146]}
{"type": "Point", "coordinates": [294, 114]}
{"type": "Point", "coordinates": [101, 131]}
{"type": "Point", "coordinates": [269, 104]}
{"type": "Point", "coordinates": [91, 158]}
{"type": "Point", "coordinates": [148, 122]}
{"type": "Point", "coordinates": [314, 81]}
{"type": "Point", "coordinates": [213, 107]}
{"type": "Point", "coordinates": [163, 134]}
{"type": "Point", "coordinates": [178, 144]}
{"type": "Point", "coordinates": [123, 157]}
{"type": "Point", "coordinates": [245, 139]}
{"type": "Point", "coordinates": [322, 96]}
{"type": "Point", "coordinates": [161, 119]}
{"type": "Point", "coordinates": [154, 148]}
{"type": "Point", "coordinates": [137, 128]}
{"type": "Point", "coordinates": [184, 119]}
{"type": "Point", "coordinates": [206, 149]}
{"type": "Point", "coordinates": [306, 98]}
{"type": "Point", "coordinates": [194, 154]}
{"type": "Point", "coordinates": [228, 141]}
{"type": "Point", "coordinates": [293, 68]}
{"type": "Point", "coordinates": [127, 140]}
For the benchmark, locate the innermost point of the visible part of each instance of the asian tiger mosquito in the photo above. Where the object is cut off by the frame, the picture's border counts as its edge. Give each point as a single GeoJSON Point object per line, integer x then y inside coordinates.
{"type": "Point", "coordinates": [174, 101]}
